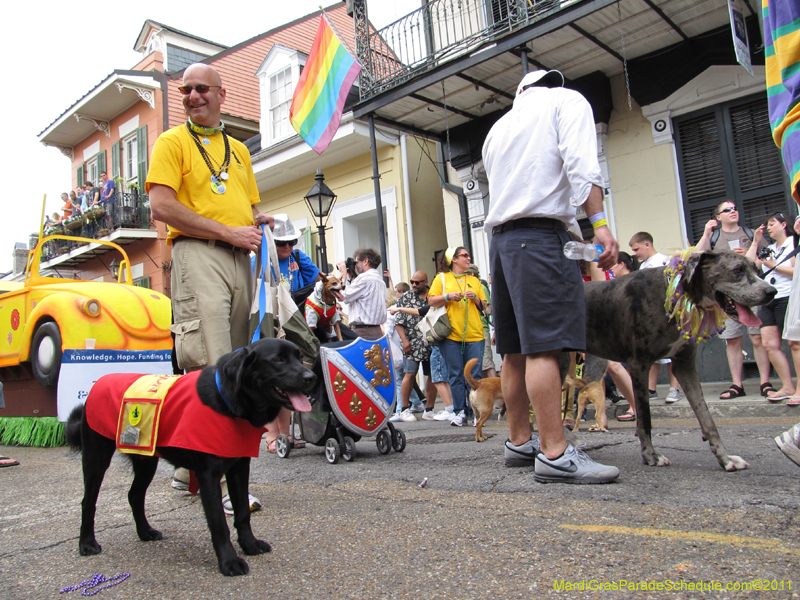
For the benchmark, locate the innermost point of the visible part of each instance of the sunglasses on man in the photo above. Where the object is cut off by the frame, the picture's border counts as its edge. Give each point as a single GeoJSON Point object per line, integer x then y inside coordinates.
{"type": "Point", "coordinates": [282, 243]}
{"type": "Point", "coordinates": [200, 89]}
{"type": "Point", "coordinates": [418, 282]}
{"type": "Point", "coordinates": [730, 209]}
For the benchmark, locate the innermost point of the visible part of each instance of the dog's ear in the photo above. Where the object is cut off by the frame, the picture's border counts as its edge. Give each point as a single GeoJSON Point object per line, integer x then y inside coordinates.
{"type": "Point", "coordinates": [232, 374]}
{"type": "Point", "coordinates": [693, 281]}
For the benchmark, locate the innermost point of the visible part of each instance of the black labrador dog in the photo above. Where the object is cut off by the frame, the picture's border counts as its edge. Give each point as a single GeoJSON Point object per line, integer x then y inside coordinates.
{"type": "Point", "coordinates": [626, 322]}
{"type": "Point", "coordinates": [244, 391]}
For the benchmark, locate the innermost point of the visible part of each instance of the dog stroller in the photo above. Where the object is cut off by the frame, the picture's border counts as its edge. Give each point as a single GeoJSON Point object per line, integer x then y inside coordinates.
{"type": "Point", "coordinates": [354, 398]}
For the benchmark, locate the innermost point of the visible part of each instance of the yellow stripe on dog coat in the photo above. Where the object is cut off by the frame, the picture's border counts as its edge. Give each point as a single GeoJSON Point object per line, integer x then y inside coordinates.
{"type": "Point", "coordinates": [140, 411]}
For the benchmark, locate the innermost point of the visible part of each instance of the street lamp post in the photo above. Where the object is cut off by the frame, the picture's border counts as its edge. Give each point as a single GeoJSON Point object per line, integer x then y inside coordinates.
{"type": "Point", "coordinates": [320, 200]}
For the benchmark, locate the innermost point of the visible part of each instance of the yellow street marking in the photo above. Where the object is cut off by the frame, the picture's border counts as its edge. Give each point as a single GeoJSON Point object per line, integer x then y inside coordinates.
{"type": "Point", "coordinates": [716, 538]}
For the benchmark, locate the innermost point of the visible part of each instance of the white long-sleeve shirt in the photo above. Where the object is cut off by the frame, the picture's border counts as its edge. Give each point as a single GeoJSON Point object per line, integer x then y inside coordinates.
{"type": "Point", "coordinates": [541, 157]}
{"type": "Point", "coordinates": [365, 297]}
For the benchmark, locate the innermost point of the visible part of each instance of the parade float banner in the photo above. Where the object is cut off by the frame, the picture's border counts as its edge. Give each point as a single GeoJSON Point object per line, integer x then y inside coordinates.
{"type": "Point", "coordinates": [80, 369]}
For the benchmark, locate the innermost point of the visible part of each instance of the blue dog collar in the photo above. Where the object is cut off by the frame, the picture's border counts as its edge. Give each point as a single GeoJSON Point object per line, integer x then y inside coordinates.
{"type": "Point", "coordinates": [224, 397]}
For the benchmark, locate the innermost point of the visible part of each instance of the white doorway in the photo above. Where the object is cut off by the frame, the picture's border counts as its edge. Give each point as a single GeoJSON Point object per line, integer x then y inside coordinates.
{"type": "Point", "coordinates": [355, 226]}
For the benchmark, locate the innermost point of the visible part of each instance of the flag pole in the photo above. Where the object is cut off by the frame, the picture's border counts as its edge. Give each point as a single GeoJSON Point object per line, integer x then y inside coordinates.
{"type": "Point", "coordinates": [339, 35]}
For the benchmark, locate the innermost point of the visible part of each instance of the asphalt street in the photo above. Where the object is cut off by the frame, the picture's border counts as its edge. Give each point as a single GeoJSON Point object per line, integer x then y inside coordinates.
{"type": "Point", "coordinates": [368, 530]}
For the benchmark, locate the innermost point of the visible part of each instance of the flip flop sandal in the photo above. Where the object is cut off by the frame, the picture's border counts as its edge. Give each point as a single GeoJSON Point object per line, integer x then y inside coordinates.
{"type": "Point", "coordinates": [8, 462]}
{"type": "Point", "coordinates": [779, 396]}
{"type": "Point", "coordinates": [793, 401]}
{"type": "Point", "coordinates": [299, 444]}
{"type": "Point", "coordinates": [594, 428]}
{"type": "Point", "coordinates": [628, 416]}
{"type": "Point", "coordinates": [271, 447]}
{"type": "Point", "coordinates": [735, 391]}
{"type": "Point", "coordinates": [766, 388]}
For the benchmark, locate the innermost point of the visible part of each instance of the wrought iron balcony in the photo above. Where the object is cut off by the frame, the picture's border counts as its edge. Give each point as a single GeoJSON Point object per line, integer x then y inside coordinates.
{"type": "Point", "coordinates": [129, 210]}
{"type": "Point", "coordinates": [439, 31]}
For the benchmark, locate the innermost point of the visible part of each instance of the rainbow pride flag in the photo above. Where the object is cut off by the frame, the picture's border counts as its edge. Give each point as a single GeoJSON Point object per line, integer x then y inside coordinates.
{"type": "Point", "coordinates": [319, 97]}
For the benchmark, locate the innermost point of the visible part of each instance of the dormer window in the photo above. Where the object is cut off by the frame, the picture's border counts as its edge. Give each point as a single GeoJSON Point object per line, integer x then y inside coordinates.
{"type": "Point", "coordinates": [278, 76]}
{"type": "Point", "coordinates": [280, 100]}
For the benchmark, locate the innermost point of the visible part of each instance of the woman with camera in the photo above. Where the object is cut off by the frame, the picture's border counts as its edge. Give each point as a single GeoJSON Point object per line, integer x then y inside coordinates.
{"type": "Point", "coordinates": [773, 315]}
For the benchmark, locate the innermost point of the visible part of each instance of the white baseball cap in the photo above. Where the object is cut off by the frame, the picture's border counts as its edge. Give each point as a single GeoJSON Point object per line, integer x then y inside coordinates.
{"type": "Point", "coordinates": [543, 78]}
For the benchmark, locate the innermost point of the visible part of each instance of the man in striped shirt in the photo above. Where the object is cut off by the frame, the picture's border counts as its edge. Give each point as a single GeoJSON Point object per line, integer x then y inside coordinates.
{"type": "Point", "coordinates": [365, 295]}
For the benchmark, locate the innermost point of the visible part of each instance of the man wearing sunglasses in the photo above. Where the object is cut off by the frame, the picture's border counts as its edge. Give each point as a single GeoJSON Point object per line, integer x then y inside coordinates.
{"type": "Point", "coordinates": [297, 270]}
{"type": "Point", "coordinates": [725, 233]}
{"type": "Point", "coordinates": [201, 184]}
{"type": "Point", "coordinates": [365, 295]}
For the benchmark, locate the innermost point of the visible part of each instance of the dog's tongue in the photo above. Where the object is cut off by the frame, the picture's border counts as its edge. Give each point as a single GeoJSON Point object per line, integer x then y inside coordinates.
{"type": "Point", "coordinates": [747, 316]}
{"type": "Point", "coordinates": [300, 402]}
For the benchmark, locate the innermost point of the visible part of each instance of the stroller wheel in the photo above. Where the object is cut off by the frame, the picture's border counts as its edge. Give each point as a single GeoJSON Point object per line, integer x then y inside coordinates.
{"type": "Point", "coordinates": [383, 442]}
{"type": "Point", "coordinates": [332, 451]}
{"type": "Point", "coordinates": [398, 440]}
{"type": "Point", "coordinates": [349, 449]}
{"type": "Point", "coordinates": [282, 445]}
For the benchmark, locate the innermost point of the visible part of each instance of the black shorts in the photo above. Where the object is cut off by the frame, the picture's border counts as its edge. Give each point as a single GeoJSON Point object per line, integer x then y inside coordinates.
{"type": "Point", "coordinates": [774, 313]}
{"type": "Point", "coordinates": [537, 293]}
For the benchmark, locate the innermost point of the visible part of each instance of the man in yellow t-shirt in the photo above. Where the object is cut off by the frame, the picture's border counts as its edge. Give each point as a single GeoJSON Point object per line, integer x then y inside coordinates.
{"type": "Point", "coordinates": [201, 184]}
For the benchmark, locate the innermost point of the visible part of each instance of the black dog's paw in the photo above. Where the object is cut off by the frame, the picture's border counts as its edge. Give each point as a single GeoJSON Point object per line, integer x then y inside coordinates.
{"type": "Point", "coordinates": [233, 567]}
{"type": "Point", "coordinates": [255, 547]}
{"type": "Point", "coordinates": [89, 547]}
{"type": "Point", "coordinates": [150, 535]}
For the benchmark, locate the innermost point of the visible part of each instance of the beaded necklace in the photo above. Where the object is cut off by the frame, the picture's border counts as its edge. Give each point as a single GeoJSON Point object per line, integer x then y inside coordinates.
{"type": "Point", "coordinates": [695, 323]}
{"type": "Point", "coordinates": [465, 302]}
{"type": "Point", "coordinates": [219, 174]}
{"type": "Point", "coordinates": [93, 585]}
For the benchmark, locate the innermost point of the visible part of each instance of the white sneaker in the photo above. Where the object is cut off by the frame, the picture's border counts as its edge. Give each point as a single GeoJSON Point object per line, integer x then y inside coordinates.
{"type": "Point", "coordinates": [458, 419]}
{"type": "Point", "coordinates": [227, 506]}
{"type": "Point", "coordinates": [673, 396]}
{"type": "Point", "coordinates": [789, 443]}
{"type": "Point", "coordinates": [444, 415]}
{"type": "Point", "coordinates": [408, 416]}
{"type": "Point", "coordinates": [573, 466]}
{"type": "Point", "coordinates": [428, 415]}
{"type": "Point", "coordinates": [395, 418]}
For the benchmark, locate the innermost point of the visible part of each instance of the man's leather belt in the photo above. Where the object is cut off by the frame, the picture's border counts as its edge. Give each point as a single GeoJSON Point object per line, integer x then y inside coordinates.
{"type": "Point", "coordinates": [361, 326]}
{"type": "Point", "coordinates": [211, 243]}
{"type": "Point", "coordinates": [529, 223]}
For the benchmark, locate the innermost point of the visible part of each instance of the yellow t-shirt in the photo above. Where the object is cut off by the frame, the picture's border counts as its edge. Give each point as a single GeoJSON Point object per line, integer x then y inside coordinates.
{"type": "Point", "coordinates": [455, 309]}
{"type": "Point", "coordinates": [176, 162]}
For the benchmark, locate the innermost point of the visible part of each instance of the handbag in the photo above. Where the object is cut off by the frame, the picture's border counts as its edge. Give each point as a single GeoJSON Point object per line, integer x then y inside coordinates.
{"type": "Point", "coordinates": [435, 326]}
{"type": "Point", "coordinates": [274, 312]}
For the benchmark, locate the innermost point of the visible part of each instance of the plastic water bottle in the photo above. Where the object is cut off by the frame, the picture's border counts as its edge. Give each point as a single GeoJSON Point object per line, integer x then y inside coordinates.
{"type": "Point", "coordinates": [581, 251]}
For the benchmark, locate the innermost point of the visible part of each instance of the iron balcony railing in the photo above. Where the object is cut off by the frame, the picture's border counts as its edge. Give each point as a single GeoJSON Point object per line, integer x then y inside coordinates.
{"type": "Point", "coordinates": [437, 32]}
{"type": "Point", "coordinates": [127, 211]}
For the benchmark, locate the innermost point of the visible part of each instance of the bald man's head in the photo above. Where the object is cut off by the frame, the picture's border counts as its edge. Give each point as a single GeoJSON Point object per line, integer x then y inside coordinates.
{"type": "Point", "coordinates": [203, 108]}
{"type": "Point", "coordinates": [419, 283]}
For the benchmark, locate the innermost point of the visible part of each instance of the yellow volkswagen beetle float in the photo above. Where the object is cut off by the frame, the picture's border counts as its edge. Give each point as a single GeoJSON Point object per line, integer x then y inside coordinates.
{"type": "Point", "coordinates": [44, 316]}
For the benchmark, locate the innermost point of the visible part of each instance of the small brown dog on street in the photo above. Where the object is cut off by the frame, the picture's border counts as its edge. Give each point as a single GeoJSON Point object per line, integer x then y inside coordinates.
{"type": "Point", "coordinates": [482, 397]}
{"type": "Point", "coordinates": [592, 390]}
{"type": "Point", "coordinates": [320, 309]}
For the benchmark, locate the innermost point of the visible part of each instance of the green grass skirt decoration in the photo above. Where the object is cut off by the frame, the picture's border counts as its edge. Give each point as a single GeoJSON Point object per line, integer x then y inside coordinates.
{"type": "Point", "coordinates": [41, 432]}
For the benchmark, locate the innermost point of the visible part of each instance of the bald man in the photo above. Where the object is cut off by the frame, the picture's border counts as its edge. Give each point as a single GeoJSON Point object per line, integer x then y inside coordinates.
{"type": "Point", "coordinates": [201, 184]}
{"type": "Point", "coordinates": [415, 352]}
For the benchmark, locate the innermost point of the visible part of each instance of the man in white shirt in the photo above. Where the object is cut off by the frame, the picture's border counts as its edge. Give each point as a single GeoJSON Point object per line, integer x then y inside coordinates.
{"type": "Point", "coordinates": [541, 162]}
{"type": "Point", "coordinates": [649, 258]}
{"type": "Point", "coordinates": [365, 296]}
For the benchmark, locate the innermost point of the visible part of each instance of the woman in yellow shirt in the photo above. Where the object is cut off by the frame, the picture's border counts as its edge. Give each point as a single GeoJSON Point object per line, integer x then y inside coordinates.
{"type": "Point", "coordinates": [463, 297]}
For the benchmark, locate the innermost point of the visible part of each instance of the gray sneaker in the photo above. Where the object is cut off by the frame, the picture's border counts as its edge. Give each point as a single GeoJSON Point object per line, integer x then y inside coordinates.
{"type": "Point", "coordinates": [522, 456]}
{"type": "Point", "coordinates": [673, 396]}
{"type": "Point", "coordinates": [573, 466]}
{"type": "Point", "coordinates": [789, 443]}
